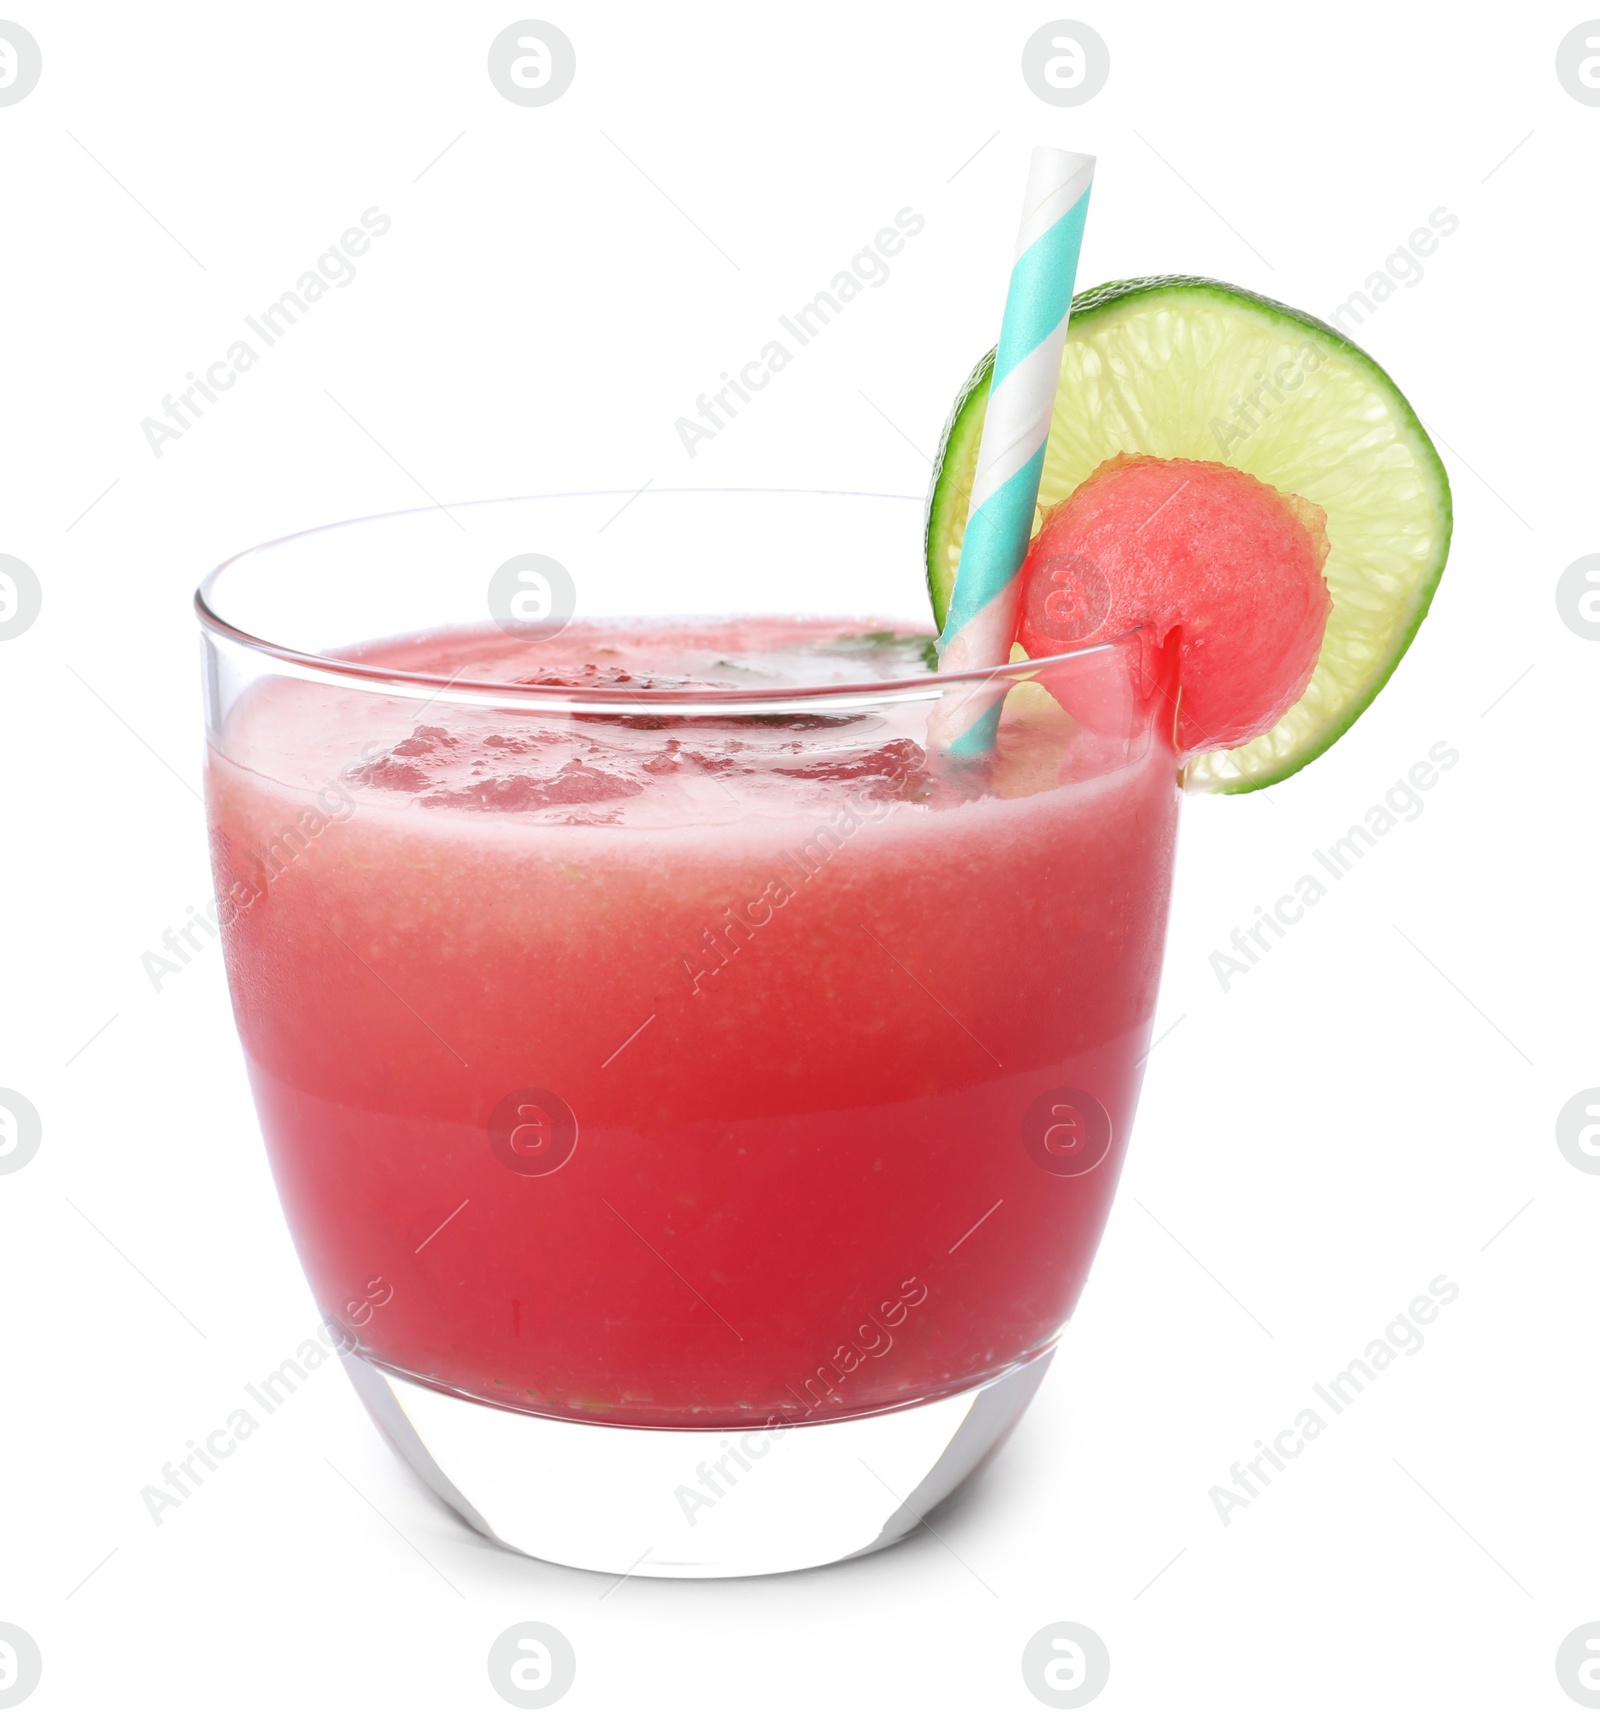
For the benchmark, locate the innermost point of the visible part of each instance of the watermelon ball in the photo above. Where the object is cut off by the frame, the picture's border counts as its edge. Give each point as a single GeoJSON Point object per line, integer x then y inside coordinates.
{"type": "Point", "coordinates": [1223, 559]}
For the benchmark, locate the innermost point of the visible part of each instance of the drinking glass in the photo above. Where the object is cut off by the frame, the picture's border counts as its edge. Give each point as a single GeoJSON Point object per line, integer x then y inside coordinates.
{"type": "Point", "coordinates": [696, 1102]}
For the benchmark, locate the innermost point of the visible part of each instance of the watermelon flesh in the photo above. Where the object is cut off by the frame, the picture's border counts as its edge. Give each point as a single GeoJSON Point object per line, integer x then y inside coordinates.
{"type": "Point", "coordinates": [1226, 561]}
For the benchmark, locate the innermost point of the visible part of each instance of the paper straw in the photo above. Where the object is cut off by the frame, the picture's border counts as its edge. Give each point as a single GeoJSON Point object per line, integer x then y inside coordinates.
{"type": "Point", "coordinates": [981, 624]}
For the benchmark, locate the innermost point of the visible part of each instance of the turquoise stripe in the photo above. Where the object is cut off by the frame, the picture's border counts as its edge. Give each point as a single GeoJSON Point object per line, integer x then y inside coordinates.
{"type": "Point", "coordinates": [995, 545]}
{"type": "Point", "coordinates": [1041, 289]}
{"type": "Point", "coordinates": [980, 737]}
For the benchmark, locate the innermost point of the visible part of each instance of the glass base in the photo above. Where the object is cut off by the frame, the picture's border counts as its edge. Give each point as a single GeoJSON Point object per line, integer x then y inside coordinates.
{"type": "Point", "coordinates": [624, 1500]}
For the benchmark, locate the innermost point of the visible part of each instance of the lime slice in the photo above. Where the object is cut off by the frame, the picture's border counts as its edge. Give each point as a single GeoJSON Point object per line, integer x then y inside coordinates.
{"type": "Point", "coordinates": [1185, 367]}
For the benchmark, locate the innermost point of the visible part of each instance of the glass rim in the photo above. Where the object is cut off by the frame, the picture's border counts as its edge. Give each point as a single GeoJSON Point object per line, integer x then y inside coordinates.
{"type": "Point", "coordinates": [326, 669]}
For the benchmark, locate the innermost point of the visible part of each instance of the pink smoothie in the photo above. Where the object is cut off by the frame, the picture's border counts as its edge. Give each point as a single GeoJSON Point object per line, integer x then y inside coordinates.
{"type": "Point", "coordinates": [686, 1070]}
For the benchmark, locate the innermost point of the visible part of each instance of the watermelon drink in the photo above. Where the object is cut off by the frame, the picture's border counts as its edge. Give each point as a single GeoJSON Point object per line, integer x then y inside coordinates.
{"type": "Point", "coordinates": [649, 1032]}
{"type": "Point", "coordinates": [694, 1014]}
{"type": "Point", "coordinates": [790, 1073]}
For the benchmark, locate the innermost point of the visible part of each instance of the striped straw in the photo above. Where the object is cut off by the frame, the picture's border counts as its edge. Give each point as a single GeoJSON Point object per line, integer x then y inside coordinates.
{"type": "Point", "coordinates": [981, 624]}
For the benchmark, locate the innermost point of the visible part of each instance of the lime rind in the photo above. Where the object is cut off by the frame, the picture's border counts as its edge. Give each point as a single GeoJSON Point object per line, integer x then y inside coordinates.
{"type": "Point", "coordinates": [1184, 367]}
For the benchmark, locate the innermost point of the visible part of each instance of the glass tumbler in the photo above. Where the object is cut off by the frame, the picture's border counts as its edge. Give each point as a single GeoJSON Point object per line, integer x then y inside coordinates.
{"type": "Point", "coordinates": [696, 1098]}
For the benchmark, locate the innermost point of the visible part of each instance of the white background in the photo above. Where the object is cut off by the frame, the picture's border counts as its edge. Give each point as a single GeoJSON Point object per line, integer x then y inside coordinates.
{"type": "Point", "coordinates": [1363, 1111]}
